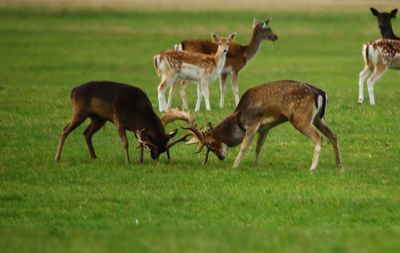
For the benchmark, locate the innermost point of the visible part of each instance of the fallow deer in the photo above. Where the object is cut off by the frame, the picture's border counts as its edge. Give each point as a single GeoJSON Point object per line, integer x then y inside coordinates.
{"type": "Point", "coordinates": [237, 58]}
{"type": "Point", "coordinates": [264, 107]}
{"type": "Point", "coordinates": [379, 56]}
{"type": "Point", "coordinates": [126, 106]}
{"type": "Point", "coordinates": [172, 65]}
{"type": "Point", "coordinates": [385, 23]}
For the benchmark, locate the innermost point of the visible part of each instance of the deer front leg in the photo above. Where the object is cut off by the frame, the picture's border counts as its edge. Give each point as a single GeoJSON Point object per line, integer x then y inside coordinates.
{"type": "Point", "coordinates": [124, 141]}
{"type": "Point", "coordinates": [199, 96]}
{"type": "Point", "coordinates": [260, 143]}
{"type": "Point", "coordinates": [222, 88]}
{"type": "Point", "coordinates": [205, 92]}
{"type": "Point", "coordinates": [248, 137]}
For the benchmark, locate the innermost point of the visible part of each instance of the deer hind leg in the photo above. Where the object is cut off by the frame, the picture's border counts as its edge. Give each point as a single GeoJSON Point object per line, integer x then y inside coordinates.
{"type": "Point", "coordinates": [76, 120]}
{"type": "Point", "coordinates": [165, 83]}
{"type": "Point", "coordinates": [235, 86]}
{"type": "Point", "coordinates": [182, 91]}
{"type": "Point", "coordinates": [124, 141]}
{"type": "Point", "coordinates": [363, 75]}
{"type": "Point", "coordinates": [248, 137]}
{"type": "Point", "coordinates": [222, 88]}
{"type": "Point", "coordinates": [94, 126]}
{"type": "Point", "coordinates": [172, 90]}
{"type": "Point", "coordinates": [376, 75]}
{"type": "Point", "coordinates": [324, 128]}
{"type": "Point", "coordinates": [306, 128]}
{"type": "Point", "coordinates": [260, 143]}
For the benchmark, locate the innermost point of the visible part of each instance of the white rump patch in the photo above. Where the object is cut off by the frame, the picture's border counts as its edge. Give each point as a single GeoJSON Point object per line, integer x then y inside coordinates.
{"type": "Point", "coordinates": [178, 47]}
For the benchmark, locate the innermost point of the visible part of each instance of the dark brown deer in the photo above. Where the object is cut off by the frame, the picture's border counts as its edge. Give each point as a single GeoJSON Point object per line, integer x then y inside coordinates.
{"type": "Point", "coordinates": [264, 107]}
{"type": "Point", "coordinates": [126, 106]}
{"type": "Point", "coordinates": [237, 58]}
{"type": "Point", "coordinates": [385, 23]}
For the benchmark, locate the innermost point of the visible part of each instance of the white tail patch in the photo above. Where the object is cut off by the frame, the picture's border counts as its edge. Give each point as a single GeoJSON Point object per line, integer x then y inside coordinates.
{"type": "Point", "coordinates": [178, 47]}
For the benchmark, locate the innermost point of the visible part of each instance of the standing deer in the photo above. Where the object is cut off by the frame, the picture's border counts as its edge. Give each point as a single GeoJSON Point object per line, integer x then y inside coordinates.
{"type": "Point", "coordinates": [264, 107]}
{"type": "Point", "coordinates": [126, 106]}
{"type": "Point", "coordinates": [385, 23]}
{"type": "Point", "coordinates": [379, 56]}
{"type": "Point", "coordinates": [172, 65]}
{"type": "Point", "coordinates": [237, 58]}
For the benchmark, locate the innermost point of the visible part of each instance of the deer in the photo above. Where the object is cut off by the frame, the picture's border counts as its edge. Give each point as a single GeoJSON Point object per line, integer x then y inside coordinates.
{"type": "Point", "coordinates": [385, 23]}
{"type": "Point", "coordinates": [172, 65]}
{"type": "Point", "coordinates": [237, 58]}
{"type": "Point", "coordinates": [126, 106]}
{"type": "Point", "coordinates": [379, 56]}
{"type": "Point", "coordinates": [264, 107]}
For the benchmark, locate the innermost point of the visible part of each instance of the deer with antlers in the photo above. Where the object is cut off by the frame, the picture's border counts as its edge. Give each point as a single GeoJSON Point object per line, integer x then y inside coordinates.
{"type": "Point", "coordinates": [237, 58]}
{"type": "Point", "coordinates": [379, 56]}
{"type": "Point", "coordinates": [126, 106]}
{"type": "Point", "coordinates": [263, 107]}
{"type": "Point", "coordinates": [184, 65]}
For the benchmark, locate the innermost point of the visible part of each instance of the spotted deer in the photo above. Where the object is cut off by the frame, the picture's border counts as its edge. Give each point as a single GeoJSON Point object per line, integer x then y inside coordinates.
{"type": "Point", "coordinates": [379, 56]}
{"type": "Point", "coordinates": [184, 65]}
{"type": "Point", "coordinates": [263, 107]}
{"type": "Point", "coordinates": [237, 58]}
{"type": "Point", "coordinates": [126, 106]}
{"type": "Point", "coordinates": [385, 23]}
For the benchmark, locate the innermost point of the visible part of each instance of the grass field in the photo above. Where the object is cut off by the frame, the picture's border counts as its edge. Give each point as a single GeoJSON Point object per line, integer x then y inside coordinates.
{"type": "Point", "coordinates": [103, 205]}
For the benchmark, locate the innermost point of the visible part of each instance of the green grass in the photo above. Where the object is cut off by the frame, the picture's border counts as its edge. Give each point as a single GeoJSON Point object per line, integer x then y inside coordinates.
{"type": "Point", "coordinates": [103, 205]}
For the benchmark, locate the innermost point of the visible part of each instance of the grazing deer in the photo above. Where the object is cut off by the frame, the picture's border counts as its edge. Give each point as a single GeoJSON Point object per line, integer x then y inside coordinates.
{"type": "Point", "coordinates": [237, 58]}
{"type": "Point", "coordinates": [264, 107]}
{"type": "Point", "coordinates": [184, 65]}
{"type": "Point", "coordinates": [385, 23]}
{"type": "Point", "coordinates": [126, 106]}
{"type": "Point", "coordinates": [379, 56]}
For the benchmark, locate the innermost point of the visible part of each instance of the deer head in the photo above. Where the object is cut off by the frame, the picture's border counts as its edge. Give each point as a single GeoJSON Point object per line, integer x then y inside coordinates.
{"type": "Point", "coordinates": [384, 22]}
{"type": "Point", "coordinates": [264, 30]}
{"type": "Point", "coordinates": [223, 42]}
{"type": "Point", "coordinates": [209, 139]}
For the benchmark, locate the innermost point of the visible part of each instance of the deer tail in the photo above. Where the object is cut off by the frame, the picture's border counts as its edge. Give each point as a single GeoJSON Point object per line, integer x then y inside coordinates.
{"type": "Point", "coordinates": [156, 62]}
{"type": "Point", "coordinates": [321, 103]}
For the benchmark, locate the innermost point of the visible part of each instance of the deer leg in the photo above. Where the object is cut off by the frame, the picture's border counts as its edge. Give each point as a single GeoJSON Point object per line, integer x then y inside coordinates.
{"type": "Point", "coordinates": [222, 88]}
{"type": "Point", "coordinates": [324, 128]}
{"type": "Point", "coordinates": [235, 86]}
{"type": "Point", "coordinates": [260, 142]}
{"type": "Point", "coordinates": [74, 123]}
{"type": "Point", "coordinates": [248, 137]}
{"type": "Point", "coordinates": [171, 93]}
{"type": "Point", "coordinates": [185, 103]}
{"type": "Point", "coordinates": [310, 132]}
{"type": "Point", "coordinates": [199, 96]}
{"type": "Point", "coordinates": [162, 87]}
{"type": "Point", "coordinates": [363, 75]}
{"type": "Point", "coordinates": [378, 72]}
{"type": "Point", "coordinates": [124, 141]}
{"type": "Point", "coordinates": [94, 126]}
{"type": "Point", "coordinates": [205, 92]}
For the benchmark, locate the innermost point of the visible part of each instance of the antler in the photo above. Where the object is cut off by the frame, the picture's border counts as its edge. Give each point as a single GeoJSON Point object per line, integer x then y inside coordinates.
{"type": "Point", "coordinates": [175, 114]}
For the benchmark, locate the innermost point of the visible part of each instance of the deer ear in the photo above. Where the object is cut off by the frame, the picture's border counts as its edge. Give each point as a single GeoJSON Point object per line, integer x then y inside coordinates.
{"type": "Point", "coordinates": [209, 128]}
{"type": "Point", "coordinates": [214, 36]}
{"type": "Point", "coordinates": [172, 133]}
{"type": "Point", "coordinates": [374, 11]}
{"type": "Point", "coordinates": [255, 22]}
{"type": "Point", "coordinates": [393, 13]}
{"type": "Point", "coordinates": [232, 36]}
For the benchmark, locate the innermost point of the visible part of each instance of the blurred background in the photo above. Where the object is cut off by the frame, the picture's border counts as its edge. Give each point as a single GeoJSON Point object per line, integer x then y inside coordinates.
{"type": "Point", "coordinates": [203, 5]}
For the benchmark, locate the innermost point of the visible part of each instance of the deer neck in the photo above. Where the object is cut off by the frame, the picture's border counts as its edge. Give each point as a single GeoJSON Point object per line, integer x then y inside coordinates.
{"type": "Point", "coordinates": [230, 131]}
{"type": "Point", "coordinates": [220, 58]}
{"type": "Point", "coordinates": [253, 46]}
{"type": "Point", "coordinates": [388, 33]}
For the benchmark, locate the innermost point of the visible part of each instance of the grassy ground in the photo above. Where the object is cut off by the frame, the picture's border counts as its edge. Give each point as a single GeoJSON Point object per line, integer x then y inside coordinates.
{"type": "Point", "coordinates": [80, 205]}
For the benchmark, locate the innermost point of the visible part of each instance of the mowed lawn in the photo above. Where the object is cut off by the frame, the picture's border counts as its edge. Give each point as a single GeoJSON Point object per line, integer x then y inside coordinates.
{"type": "Point", "coordinates": [104, 205]}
